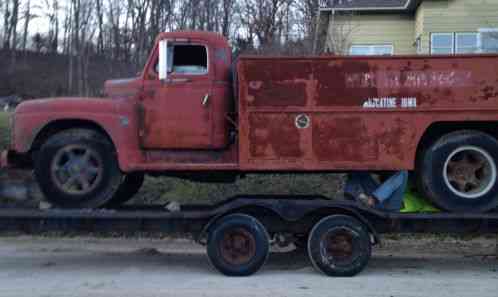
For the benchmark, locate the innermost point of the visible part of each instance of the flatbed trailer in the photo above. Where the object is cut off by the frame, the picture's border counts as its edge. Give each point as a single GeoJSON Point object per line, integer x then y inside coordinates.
{"type": "Point", "coordinates": [238, 232]}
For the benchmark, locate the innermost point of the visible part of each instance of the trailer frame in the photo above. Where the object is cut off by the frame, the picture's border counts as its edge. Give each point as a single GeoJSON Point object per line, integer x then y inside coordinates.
{"type": "Point", "coordinates": [195, 219]}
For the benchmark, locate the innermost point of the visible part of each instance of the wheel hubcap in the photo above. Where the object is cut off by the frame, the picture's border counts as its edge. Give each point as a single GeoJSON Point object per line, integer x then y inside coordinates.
{"type": "Point", "coordinates": [338, 247]}
{"type": "Point", "coordinates": [76, 169]}
{"type": "Point", "coordinates": [469, 172]}
{"type": "Point", "coordinates": [238, 246]}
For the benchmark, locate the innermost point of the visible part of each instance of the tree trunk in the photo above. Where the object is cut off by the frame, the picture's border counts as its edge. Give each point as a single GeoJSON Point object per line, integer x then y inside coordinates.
{"type": "Point", "coordinates": [27, 19]}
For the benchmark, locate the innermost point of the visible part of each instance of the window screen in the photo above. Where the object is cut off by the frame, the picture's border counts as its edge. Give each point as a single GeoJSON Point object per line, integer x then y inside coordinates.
{"type": "Point", "coordinates": [371, 50]}
{"type": "Point", "coordinates": [489, 40]}
{"type": "Point", "coordinates": [442, 43]}
{"type": "Point", "coordinates": [466, 43]}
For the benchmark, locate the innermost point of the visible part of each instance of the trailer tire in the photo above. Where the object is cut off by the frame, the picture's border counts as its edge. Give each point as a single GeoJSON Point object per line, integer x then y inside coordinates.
{"type": "Point", "coordinates": [128, 188]}
{"type": "Point", "coordinates": [458, 173]}
{"type": "Point", "coordinates": [78, 168]}
{"type": "Point", "coordinates": [339, 245]}
{"type": "Point", "coordinates": [238, 245]}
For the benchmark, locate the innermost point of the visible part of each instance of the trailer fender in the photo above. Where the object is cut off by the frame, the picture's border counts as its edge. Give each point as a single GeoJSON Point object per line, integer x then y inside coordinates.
{"type": "Point", "coordinates": [289, 212]}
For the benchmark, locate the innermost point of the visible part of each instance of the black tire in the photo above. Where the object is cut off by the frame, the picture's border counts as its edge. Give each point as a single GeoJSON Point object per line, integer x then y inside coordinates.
{"type": "Point", "coordinates": [54, 177]}
{"type": "Point", "coordinates": [458, 172]}
{"type": "Point", "coordinates": [252, 245]}
{"type": "Point", "coordinates": [129, 187]}
{"type": "Point", "coordinates": [339, 246]}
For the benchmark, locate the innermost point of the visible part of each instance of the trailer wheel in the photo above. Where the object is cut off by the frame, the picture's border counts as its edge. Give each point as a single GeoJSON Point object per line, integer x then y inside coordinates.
{"type": "Point", "coordinates": [77, 168]}
{"type": "Point", "coordinates": [459, 172]}
{"type": "Point", "coordinates": [238, 245]}
{"type": "Point", "coordinates": [128, 188]}
{"type": "Point", "coordinates": [339, 245]}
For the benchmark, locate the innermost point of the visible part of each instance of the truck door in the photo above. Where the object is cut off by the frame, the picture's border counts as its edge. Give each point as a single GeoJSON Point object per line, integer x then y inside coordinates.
{"type": "Point", "coordinates": [176, 112]}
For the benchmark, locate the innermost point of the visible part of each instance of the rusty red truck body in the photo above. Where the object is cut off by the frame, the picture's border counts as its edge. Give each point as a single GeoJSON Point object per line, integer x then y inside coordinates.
{"type": "Point", "coordinates": [194, 113]}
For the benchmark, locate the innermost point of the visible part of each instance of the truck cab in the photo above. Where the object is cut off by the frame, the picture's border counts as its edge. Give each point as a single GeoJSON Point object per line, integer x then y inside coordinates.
{"type": "Point", "coordinates": [186, 93]}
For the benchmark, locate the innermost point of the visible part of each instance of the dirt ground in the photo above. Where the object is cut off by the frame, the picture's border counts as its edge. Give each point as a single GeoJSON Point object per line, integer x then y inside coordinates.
{"type": "Point", "coordinates": [407, 266]}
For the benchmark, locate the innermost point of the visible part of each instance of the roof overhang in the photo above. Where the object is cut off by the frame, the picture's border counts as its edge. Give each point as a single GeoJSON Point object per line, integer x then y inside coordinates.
{"type": "Point", "coordinates": [369, 5]}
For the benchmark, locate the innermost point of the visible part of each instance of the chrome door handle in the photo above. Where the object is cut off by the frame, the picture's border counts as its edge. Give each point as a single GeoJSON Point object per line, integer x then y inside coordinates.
{"type": "Point", "coordinates": [205, 100]}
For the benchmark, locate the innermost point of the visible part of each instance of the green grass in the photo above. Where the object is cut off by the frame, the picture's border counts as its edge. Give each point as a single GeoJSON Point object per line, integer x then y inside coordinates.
{"type": "Point", "coordinates": [4, 130]}
{"type": "Point", "coordinates": [163, 189]}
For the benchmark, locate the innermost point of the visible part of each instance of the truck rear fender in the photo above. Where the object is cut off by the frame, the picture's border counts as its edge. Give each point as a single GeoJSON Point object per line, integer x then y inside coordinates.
{"type": "Point", "coordinates": [305, 216]}
{"type": "Point", "coordinates": [437, 129]}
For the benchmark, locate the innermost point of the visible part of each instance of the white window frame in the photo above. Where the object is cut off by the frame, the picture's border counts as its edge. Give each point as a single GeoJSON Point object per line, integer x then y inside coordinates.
{"type": "Point", "coordinates": [370, 46]}
{"type": "Point", "coordinates": [479, 36]}
{"type": "Point", "coordinates": [434, 34]}
{"type": "Point", "coordinates": [455, 41]}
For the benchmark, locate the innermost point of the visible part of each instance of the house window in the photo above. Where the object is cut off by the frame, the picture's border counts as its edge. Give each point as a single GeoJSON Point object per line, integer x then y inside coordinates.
{"type": "Point", "coordinates": [488, 40]}
{"type": "Point", "coordinates": [372, 50]}
{"type": "Point", "coordinates": [466, 43]}
{"type": "Point", "coordinates": [442, 43]}
{"type": "Point", "coordinates": [454, 43]}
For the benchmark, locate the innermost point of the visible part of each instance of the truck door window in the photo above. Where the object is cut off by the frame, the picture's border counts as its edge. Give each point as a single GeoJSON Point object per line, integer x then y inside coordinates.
{"type": "Point", "coordinates": [189, 59]}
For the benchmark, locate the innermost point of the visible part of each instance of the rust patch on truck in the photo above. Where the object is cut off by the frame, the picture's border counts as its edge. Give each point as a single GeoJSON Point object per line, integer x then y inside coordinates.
{"type": "Point", "coordinates": [330, 138]}
{"type": "Point", "coordinates": [282, 94]}
{"type": "Point", "coordinates": [274, 136]}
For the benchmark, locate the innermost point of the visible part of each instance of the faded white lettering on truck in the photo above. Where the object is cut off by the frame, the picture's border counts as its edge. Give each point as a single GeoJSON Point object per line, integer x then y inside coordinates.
{"type": "Point", "coordinates": [390, 102]}
{"type": "Point", "coordinates": [409, 79]}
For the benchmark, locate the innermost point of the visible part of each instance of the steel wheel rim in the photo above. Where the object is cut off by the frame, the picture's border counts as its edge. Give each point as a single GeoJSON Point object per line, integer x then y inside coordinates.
{"type": "Point", "coordinates": [76, 169]}
{"type": "Point", "coordinates": [238, 246]}
{"type": "Point", "coordinates": [339, 247]}
{"type": "Point", "coordinates": [469, 172]}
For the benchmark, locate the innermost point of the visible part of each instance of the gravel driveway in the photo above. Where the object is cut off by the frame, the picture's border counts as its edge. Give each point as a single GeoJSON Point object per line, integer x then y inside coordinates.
{"type": "Point", "coordinates": [412, 266]}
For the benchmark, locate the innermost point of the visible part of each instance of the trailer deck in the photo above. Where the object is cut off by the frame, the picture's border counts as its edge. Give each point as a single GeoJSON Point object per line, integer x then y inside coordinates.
{"type": "Point", "coordinates": [192, 218]}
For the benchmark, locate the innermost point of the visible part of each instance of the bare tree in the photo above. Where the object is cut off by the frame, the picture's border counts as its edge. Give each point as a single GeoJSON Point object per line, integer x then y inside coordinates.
{"type": "Point", "coordinates": [53, 25]}
{"type": "Point", "coordinates": [227, 12]}
{"type": "Point", "coordinates": [27, 18]}
{"type": "Point", "coordinates": [11, 17]}
{"type": "Point", "coordinates": [340, 30]}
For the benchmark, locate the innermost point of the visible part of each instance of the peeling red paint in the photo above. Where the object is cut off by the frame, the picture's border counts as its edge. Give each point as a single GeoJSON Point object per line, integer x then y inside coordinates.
{"type": "Point", "coordinates": [359, 113]}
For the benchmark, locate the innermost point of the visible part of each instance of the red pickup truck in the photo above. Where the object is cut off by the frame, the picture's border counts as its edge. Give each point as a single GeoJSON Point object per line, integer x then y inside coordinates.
{"type": "Point", "coordinates": [192, 114]}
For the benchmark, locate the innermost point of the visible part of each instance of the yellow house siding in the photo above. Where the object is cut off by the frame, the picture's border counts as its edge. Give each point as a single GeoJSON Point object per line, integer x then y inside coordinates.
{"type": "Point", "coordinates": [419, 23]}
{"type": "Point", "coordinates": [456, 16]}
{"type": "Point", "coordinates": [398, 30]}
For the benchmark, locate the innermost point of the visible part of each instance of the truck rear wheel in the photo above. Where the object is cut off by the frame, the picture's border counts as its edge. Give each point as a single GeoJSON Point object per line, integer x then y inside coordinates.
{"type": "Point", "coordinates": [77, 168]}
{"type": "Point", "coordinates": [128, 188]}
{"type": "Point", "coordinates": [238, 245]}
{"type": "Point", "coordinates": [339, 245]}
{"type": "Point", "coordinates": [458, 173]}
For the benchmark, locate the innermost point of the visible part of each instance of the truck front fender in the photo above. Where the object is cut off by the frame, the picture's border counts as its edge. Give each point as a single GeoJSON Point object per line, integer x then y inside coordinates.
{"type": "Point", "coordinates": [31, 130]}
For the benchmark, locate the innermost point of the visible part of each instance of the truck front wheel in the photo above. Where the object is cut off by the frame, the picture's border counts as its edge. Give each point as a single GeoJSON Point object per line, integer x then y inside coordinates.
{"type": "Point", "coordinates": [459, 172]}
{"type": "Point", "coordinates": [78, 168]}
